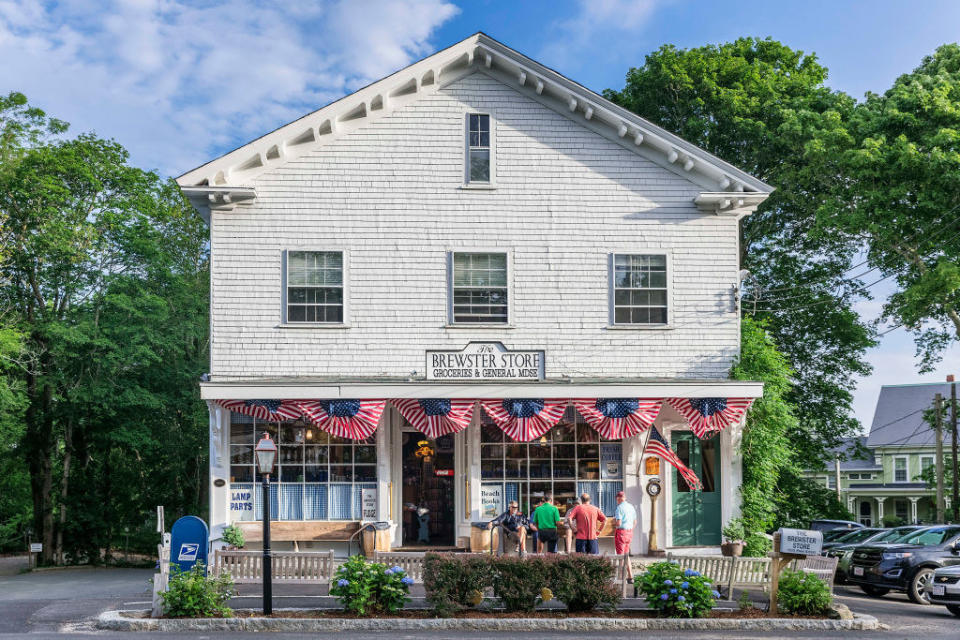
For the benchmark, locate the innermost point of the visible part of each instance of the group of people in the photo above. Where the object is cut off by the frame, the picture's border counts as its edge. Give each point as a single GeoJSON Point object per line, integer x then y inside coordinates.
{"type": "Point", "coordinates": [583, 520]}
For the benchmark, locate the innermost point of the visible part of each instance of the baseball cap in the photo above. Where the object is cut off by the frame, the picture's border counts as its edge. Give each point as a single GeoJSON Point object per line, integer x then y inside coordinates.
{"type": "Point", "coordinates": [621, 494]}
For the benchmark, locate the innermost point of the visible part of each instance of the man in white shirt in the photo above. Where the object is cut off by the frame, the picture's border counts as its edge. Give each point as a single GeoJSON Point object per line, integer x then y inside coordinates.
{"type": "Point", "coordinates": [624, 521]}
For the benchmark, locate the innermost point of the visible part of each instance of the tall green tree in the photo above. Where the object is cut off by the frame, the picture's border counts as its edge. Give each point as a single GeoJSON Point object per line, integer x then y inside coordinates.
{"type": "Point", "coordinates": [766, 108]}
{"type": "Point", "coordinates": [901, 198]}
{"type": "Point", "coordinates": [105, 279]}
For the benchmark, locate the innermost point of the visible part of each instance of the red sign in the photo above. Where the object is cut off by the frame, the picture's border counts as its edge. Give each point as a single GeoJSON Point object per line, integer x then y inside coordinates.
{"type": "Point", "coordinates": [447, 473]}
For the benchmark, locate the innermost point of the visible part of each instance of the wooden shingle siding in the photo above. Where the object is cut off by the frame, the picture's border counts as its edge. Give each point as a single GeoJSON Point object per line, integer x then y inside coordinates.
{"type": "Point", "coordinates": [389, 195]}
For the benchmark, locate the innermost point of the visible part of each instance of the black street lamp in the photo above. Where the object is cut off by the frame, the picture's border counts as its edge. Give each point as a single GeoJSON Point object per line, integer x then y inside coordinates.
{"type": "Point", "coordinates": [266, 451]}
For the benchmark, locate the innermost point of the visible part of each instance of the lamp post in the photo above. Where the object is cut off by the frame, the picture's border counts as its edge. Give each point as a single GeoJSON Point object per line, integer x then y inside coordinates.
{"type": "Point", "coordinates": [266, 451]}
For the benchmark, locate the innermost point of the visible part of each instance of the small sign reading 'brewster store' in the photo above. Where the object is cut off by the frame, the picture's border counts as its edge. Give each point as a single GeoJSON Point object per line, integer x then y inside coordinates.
{"type": "Point", "coordinates": [801, 542]}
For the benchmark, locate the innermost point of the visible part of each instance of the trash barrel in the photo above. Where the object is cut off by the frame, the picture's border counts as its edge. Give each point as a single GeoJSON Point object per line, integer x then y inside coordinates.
{"type": "Point", "coordinates": [375, 536]}
{"type": "Point", "coordinates": [480, 537]}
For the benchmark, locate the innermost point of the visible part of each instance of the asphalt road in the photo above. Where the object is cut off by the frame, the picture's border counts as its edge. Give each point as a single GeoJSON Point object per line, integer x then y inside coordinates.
{"type": "Point", "coordinates": [60, 604]}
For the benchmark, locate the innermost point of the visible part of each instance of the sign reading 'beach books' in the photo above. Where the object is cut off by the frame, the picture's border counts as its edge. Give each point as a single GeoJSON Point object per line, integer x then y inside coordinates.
{"type": "Point", "coordinates": [485, 361]}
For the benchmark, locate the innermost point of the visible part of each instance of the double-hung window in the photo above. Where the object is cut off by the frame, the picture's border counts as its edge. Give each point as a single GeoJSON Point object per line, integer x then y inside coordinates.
{"type": "Point", "coordinates": [479, 288]}
{"type": "Point", "coordinates": [900, 469]}
{"type": "Point", "coordinates": [926, 462]}
{"type": "Point", "coordinates": [478, 149]}
{"type": "Point", "coordinates": [640, 289]}
{"type": "Point", "coordinates": [314, 286]}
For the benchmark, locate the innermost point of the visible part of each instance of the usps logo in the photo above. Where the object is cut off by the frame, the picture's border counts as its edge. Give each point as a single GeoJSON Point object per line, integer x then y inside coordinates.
{"type": "Point", "coordinates": [188, 552]}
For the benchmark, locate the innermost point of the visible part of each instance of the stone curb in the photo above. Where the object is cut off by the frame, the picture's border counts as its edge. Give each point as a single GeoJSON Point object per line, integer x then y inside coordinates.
{"type": "Point", "coordinates": [117, 621]}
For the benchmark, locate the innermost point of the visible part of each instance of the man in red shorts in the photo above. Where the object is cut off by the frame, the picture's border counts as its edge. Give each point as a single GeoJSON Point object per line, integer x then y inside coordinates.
{"type": "Point", "coordinates": [624, 522]}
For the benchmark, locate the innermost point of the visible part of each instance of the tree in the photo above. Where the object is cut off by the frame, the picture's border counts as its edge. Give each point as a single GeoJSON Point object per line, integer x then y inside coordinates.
{"type": "Point", "coordinates": [765, 108]}
{"type": "Point", "coordinates": [105, 279]}
{"type": "Point", "coordinates": [901, 198]}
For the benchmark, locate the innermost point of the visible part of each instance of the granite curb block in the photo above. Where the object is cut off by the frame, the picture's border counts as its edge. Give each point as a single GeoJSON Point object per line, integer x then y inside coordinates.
{"type": "Point", "coordinates": [117, 621]}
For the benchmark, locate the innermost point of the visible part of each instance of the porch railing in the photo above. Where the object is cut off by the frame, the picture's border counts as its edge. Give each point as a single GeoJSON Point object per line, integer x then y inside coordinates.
{"type": "Point", "coordinates": [303, 567]}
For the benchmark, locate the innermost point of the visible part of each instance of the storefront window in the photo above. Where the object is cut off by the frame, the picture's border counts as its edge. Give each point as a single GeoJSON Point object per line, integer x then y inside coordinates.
{"type": "Point", "coordinates": [569, 460]}
{"type": "Point", "coordinates": [317, 477]}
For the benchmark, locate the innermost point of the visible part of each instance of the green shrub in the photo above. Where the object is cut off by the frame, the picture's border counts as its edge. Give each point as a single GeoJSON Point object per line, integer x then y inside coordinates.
{"type": "Point", "coordinates": [454, 582]}
{"type": "Point", "coordinates": [233, 535]}
{"type": "Point", "coordinates": [368, 587]}
{"type": "Point", "coordinates": [733, 531]}
{"type": "Point", "coordinates": [757, 545]}
{"type": "Point", "coordinates": [803, 593]}
{"type": "Point", "coordinates": [677, 592]}
{"type": "Point", "coordinates": [521, 583]}
{"type": "Point", "coordinates": [583, 582]}
{"type": "Point", "coordinates": [192, 594]}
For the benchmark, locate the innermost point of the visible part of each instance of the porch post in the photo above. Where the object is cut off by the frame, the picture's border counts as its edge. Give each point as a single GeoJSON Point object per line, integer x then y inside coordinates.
{"type": "Point", "coordinates": [913, 510]}
{"type": "Point", "coordinates": [219, 470]}
{"type": "Point", "coordinates": [880, 510]}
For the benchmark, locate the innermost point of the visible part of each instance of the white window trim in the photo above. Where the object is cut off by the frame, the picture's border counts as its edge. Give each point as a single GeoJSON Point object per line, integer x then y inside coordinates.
{"type": "Point", "coordinates": [284, 324]}
{"type": "Point", "coordinates": [906, 464]}
{"type": "Point", "coordinates": [933, 462]}
{"type": "Point", "coordinates": [451, 324]}
{"type": "Point", "coordinates": [611, 296]}
{"type": "Point", "coordinates": [479, 186]}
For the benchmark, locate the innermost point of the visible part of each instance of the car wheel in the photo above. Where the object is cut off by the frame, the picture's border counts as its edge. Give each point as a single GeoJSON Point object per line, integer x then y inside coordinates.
{"type": "Point", "coordinates": [915, 590]}
{"type": "Point", "coordinates": [954, 609]}
{"type": "Point", "coordinates": [874, 592]}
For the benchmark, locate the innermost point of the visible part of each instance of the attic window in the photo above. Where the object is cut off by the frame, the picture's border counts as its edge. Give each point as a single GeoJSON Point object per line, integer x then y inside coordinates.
{"type": "Point", "coordinates": [478, 149]}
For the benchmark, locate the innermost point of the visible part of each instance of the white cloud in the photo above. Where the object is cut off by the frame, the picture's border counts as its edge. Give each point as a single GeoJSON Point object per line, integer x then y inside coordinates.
{"type": "Point", "coordinates": [179, 82]}
{"type": "Point", "coordinates": [598, 26]}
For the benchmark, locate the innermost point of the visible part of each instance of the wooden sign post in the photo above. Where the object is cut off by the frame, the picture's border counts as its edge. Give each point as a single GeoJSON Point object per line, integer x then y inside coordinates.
{"type": "Point", "coordinates": [790, 545]}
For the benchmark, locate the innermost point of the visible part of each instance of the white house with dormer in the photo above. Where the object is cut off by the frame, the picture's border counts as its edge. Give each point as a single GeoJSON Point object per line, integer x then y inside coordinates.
{"type": "Point", "coordinates": [470, 282]}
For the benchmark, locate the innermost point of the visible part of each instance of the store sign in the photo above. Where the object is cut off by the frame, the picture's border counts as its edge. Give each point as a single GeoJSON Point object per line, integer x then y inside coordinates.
{"type": "Point", "coordinates": [485, 361]}
{"type": "Point", "coordinates": [368, 501]}
{"type": "Point", "coordinates": [491, 500]}
{"type": "Point", "coordinates": [241, 501]}
{"type": "Point", "coordinates": [801, 542]}
{"type": "Point", "coordinates": [610, 468]}
{"type": "Point", "coordinates": [443, 473]}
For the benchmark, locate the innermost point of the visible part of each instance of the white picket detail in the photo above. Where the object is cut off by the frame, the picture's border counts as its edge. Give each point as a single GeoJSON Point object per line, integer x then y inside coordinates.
{"type": "Point", "coordinates": [302, 567]}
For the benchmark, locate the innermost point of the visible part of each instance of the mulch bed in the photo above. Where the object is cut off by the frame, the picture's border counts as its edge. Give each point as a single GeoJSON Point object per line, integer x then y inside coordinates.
{"type": "Point", "coordinates": [472, 613]}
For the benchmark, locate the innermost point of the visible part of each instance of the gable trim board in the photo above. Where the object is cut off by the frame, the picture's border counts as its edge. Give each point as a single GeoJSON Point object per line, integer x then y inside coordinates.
{"type": "Point", "coordinates": [226, 182]}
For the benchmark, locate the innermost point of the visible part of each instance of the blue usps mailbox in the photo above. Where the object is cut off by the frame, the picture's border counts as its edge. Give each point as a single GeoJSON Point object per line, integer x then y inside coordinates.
{"type": "Point", "coordinates": [189, 541]}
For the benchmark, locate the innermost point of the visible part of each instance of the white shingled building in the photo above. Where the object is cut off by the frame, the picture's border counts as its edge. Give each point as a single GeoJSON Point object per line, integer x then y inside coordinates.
{"type": "Point", "coordinates": [537, 272]}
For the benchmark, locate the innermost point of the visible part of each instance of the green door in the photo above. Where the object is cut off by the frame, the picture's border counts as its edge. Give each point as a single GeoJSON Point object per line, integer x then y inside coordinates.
{"type": "Point", "coordinates": [696, 514]}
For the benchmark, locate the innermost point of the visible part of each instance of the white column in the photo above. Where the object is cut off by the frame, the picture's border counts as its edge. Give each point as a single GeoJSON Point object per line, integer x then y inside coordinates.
{"type": "Point", "coordinates": [219, 470]}
{"type": "Point", "coordinates": [879, 522]}
{"type": "Point", "coordinates": [913, 510]}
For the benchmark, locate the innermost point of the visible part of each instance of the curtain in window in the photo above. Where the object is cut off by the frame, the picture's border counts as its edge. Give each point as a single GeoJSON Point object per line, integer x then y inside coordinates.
{"type": "Point", "coordinates": [258, 501]}
{"type": "Point", "coordinates": [709, 416]}
{"type": "Point", "coordinates": [351, 419]}
{"type": "Point", "coordinates": [291, 502]}
{"type": "Point", "coordinates": [525, 419]}
{"type": "Point", "coordinates": [435, 417]}
{"type": "Point", "coordinates": [314, 501]}
{"type": "Point", "coordinates": [618, 418]}
{"type": "Point", "coordinates": [341, 502]}
{"type": "Point", "coordinates": [602, 494]}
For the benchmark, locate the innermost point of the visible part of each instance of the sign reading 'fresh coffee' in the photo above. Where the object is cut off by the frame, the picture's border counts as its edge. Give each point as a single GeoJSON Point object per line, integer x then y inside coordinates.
{"type": "Point", "coordinates": [485, 361]}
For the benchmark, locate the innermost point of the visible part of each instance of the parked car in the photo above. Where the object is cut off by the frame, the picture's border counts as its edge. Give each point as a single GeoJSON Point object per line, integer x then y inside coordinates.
{"type": "Point", "coordinates": [827, 525]}
{"type": "Point", "coordinates": [833, 535]}
{"type": "Point", "coordinates": [944, 588]}
{"type": "Point", "coordinates": [907, 565]}
{"type": "Point", "coordinates": [854, 536]}
{"type": "Point", "coordinates": [844, 551]}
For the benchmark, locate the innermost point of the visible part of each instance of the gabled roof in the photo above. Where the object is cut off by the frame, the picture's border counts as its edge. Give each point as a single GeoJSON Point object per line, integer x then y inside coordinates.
{"type": "Point", "coordinates": [899, 417]}
{"type": "Point", "coordinates": [853, 454]}
{"type": "Point", "coordinates": [227, 180]}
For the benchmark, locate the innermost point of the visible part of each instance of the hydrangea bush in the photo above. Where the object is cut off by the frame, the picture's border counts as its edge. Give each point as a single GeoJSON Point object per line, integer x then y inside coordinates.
{"type": "Point", "coordinates": [676, 592]}
{"type": "Point", "coordinates": [369, 587]}
{"type": "Point", "coordinates": [803, 593]}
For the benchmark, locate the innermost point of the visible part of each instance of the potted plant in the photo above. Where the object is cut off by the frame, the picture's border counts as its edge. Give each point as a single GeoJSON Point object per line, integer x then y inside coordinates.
{"type": "Point", "coordinates": [233, 537]}
{"type": "Point", "coordinates": [733, 537]}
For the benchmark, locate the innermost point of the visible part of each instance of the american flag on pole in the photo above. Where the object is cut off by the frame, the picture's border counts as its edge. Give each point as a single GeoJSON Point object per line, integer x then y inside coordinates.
{"type": "Point", "coordinates": [435, 417]}
{"type": "Point", "coordinates": [268, 410]}
{"type": "Point", "coordinates": [657, 446]}
{"type": "Point", "coordinates": [707, 416]}
{"type": "Point", "coordinates": [351, 419]}
{"type": "Point", "coordinates": [616, 418]}
{"type": "Point", "coordinates": [525, 419]}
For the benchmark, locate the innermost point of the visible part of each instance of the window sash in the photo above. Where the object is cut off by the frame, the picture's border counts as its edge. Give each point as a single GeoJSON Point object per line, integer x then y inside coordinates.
{"type": "Point", "coordinates": [478, 148]}
{"type": "Point", "coordinates": [640, 289]}
{"type": "Point", "coordinates": [314, 282]}
{"type": "Point", "coordinates": [480, 288]}
{"type": "Point", "coordinates": [899, 469]}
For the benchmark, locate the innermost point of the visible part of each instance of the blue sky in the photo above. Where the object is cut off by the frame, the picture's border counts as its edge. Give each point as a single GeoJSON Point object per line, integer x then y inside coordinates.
{"type": "Point", "coordinates": [180, 82]}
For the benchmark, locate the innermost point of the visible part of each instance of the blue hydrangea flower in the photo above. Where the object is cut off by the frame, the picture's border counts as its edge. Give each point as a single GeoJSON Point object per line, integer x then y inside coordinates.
{"type": "Point", "coordinates": [342, 582]}
{"type": "Point", "coordinates": [696, 574]}
{"type": "Point", "coordinates": [673, 590]}
{"type": "Point", "coordinates": [716, 594]}
{"type": "Point", "coordinates": [407, 580]}
{"type": "Point", "coordinates": [668, 582]}
{"type": "Point", "coordinates": [396, 569]}
{"type": "Point", "coordinates": [684, 585]}
{"type": "Point", "coordinates": [681, 598]}
{"type": "Point", "coordinates": [663, 596]}
{"type": "Point", "coordinates": [688, 572]}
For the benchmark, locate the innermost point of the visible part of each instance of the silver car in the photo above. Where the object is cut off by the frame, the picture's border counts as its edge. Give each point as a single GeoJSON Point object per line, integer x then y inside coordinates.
{"type": "Point", "coordinates": [944, 588]}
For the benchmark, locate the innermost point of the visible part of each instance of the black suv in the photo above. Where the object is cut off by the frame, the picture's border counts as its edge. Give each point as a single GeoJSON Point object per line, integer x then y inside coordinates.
{"type": "Point", "coordinates": [908, 565]}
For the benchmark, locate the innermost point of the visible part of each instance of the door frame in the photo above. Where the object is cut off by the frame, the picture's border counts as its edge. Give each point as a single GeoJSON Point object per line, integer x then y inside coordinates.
{"type": "Point", "coordinates": [729, 472]}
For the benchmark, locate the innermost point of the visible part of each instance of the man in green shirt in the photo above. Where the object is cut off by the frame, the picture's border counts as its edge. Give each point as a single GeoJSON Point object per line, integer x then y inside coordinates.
{"type": "Point", "coordinates": [545, 521]}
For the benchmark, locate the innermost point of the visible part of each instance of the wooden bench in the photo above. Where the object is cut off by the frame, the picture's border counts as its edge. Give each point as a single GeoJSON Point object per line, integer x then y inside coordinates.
{"type": "Point", "coordinates": [728, 572]}
{"type": "Point", "coordinates": [303, 567]}
{"type": "Point", "coordinates": [824, 568]}
{"type": "Point", "coordinates": [301, 531]}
